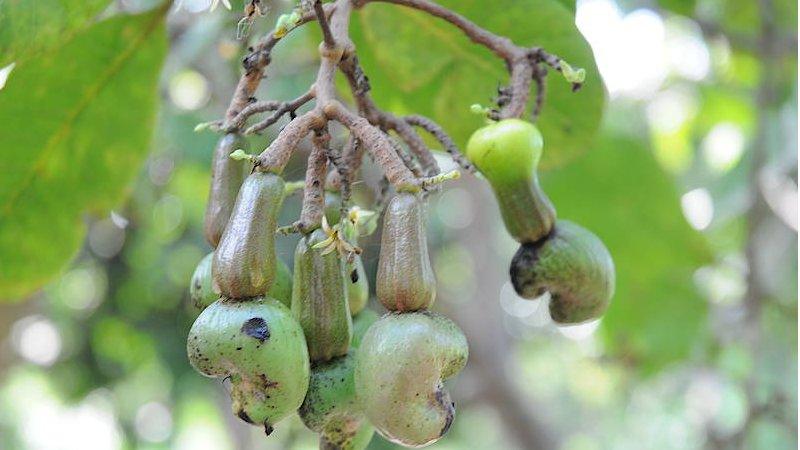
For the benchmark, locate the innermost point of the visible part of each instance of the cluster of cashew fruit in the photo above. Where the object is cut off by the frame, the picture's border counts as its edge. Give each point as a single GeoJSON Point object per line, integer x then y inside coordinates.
{"type": "Point", "coordinates": [301, 340]}
{"type": "Point", "coordinates": [555, 256]}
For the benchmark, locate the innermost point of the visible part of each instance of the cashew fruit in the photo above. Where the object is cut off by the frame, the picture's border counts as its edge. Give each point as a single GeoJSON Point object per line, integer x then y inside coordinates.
{"type": "Point", "coordinates": [507, 153]}
{"type": "Point", "coordinates": [361, 323]}
{"type": "Point", "coordinates": [202, 293]}
{"type": "Point", "coordinates": [355, 278]}
{"type": "Point", "coordinates": [319, 299]}
{"type": "Point", "coordinates": [244, 262]}
{"type": "Point", "coordinates": [573, 265]}
{"type": "Point", "coordinates": [201, 290]}
{"type": "Point", "coordinates": [281, 289]}
{"type": "Point", "coordinates": [405, 279]}
{"type": "Point", "coordinates": [330, 406]}
{"type": "Point", "coordinates": [259, 345]}
{"type": "Point", "coordinates": [226, 178]}
{"type": "Point", "coordinates": [400, 368]}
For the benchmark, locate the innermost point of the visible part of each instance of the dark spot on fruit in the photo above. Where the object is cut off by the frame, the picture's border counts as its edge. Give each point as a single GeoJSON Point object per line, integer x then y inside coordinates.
{"type": "Point", "coordinates": [523, 268]}
{"type": "Point", "coordinates": [256, 328]}
{"type": "Point", "coordinates": [266, 382]}
{"type": "Point", "coordinates": [238, 348]}
{"type": "Point", "coordinates": [354, 276]}
{"type": "Point", "coordinates": [243, 415]}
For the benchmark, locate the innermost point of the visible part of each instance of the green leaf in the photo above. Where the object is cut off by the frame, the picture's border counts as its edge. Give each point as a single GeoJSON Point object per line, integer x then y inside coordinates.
{"type": "Point", "coordinates": [418, 63]}
{"type": "Point", "coordinates": [27, 28]}
{"type": "Point", "coordinates": [620, 193]}
{"type": "Point", "coordinates": [76, 125]}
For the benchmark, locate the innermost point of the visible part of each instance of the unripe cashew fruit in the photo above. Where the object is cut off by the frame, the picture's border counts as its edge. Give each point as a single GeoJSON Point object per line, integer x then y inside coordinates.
{"type": "Point", "coordinates": [361, 323]}
{"type": "Point", "coordinates": [330, 407]}
{"type": "Point", "coordinates": [507, 153]}
{"type": "Point", "coordinates": [226, 177]}
{"type": "Point", "coordinates": [361, 439]}
{"type": "Point", "coordinates": [405, 279]}
{"type": "Point", "coordinates": [202, 292]}
{"type": "Point", "coordinates": [573, 265]}
{"type": "Point", "coordinates": [333, 206]}
{"type": "Point", "coordinates": [319, 299]}
{"type": "Point", "coordinates": [244, 262]}
{"type": "Point", "coordinates": [261, 348]}
{"type": "Point", "coordinates": [400, 366]}
{"type": "Point", "coordinates": [281, 289]}
{"type": "Point", "coordinates": [355, 278]}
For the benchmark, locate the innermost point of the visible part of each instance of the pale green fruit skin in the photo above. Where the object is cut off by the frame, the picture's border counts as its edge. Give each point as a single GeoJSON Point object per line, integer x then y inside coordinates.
{"type": "Point", "coordinates": [358, 290]}
{"type": "Point", "coordinates": [507, 153]}
{"type": "Point", "coordinates": [400, 366]}
{"type": "Point", "coordinates": [226, 178]}
{"type": "Point", "coordinates": [319, 299]}
{"type": "Point", "coordinates": [202, 293]}
{"type": "Point", "coordinates": [281, 289]}
{"type": "Point", "coordinates": [201, 290]}
{"type": "Point", "coordinates": [244, 262]}
{"type": "Point", "coordinates": [330, 407]}
{"type": "Point", "coordinates": [261, 348]}
{"type": "Point", "coordinates": [405, 280]}
{"type": "Point", "coordinates": [574, 266]}
{"type": "Point", "coordinates": [360, 441]}
{"type": "Point", "coordinates": [361, 323]}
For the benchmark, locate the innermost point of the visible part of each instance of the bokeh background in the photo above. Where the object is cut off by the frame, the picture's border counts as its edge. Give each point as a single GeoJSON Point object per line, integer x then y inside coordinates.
{"type": "Point", "coordinates": [691, 182]}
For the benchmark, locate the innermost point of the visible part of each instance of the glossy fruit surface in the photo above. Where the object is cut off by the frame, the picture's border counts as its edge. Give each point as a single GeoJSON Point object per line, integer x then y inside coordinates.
{"type": "Point", "coordinates": [226, 178]}
{"type": "Point", "coordinates": [261, 348]}
{"type": "Point", "coordinates": [507, 153]}
{"type": "Point", "coordinates": [355, 277]}
{"type": "Point", "coordinates": [405, 280]}
{"type": "Point", "coordinates": [574, 266]}
{"type": "Point", "coordinates": [319, 299]}
{"type": "Point", "coordinates": [244, 262]}
{"type": "Point", "coordinates": [400, 368]}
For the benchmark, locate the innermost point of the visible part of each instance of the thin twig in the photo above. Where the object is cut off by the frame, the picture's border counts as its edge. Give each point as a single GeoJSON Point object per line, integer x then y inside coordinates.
{"type": "Point", "coordinates": [281, 109]}
{"type": "Point", "coordinates": [443, 138]}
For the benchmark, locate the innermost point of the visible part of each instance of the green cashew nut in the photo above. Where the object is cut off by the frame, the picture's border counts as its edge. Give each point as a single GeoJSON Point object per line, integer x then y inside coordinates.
{"type": "Point", "coordinates": [330, 407]}
{"type": "Point", "coordinates": [319, 299]}
{"type": "Point", "coordinates": [226, 177]}
{"type": "Point", "coordinates": [574, 266]}
{"type": "Point", "coordinates": [405, 279]}
{"type": "Point", "coordinates": [261, 348]}
{"type": "Point", "coordinates": [202, 292]}
{"type": "Point", "coordinates": [507, 153]}
{"type": "Point", "coordinates": [244, 262]}
{"type": "Point", "coordinates": [400, 366]}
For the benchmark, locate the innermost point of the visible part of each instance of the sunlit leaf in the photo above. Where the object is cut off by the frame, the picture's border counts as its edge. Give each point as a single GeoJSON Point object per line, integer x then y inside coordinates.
{"type": "Point", "coordinates": [76, 124]}
{"type": "Point", "coordinates": [420, 63]}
